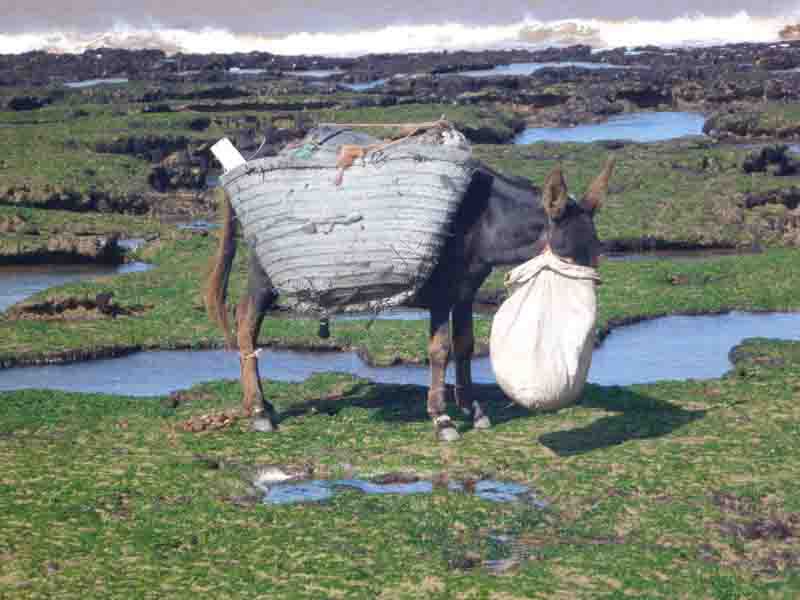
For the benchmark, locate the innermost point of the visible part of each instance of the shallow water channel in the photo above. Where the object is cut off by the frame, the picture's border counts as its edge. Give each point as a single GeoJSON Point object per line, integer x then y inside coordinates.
{"type": "Point", "coordinates": [531, 67]}
{"type": "Point", "coordinates": [668, 348]}
{"type": "Point", "coordinates": [95, 82]}
{"type": "Point", "coordinates": [314, 73]}
{"type": "Point", "coordinates": [365, 85]}
{"type": "Point", "coordinates": [514, 69]}
{"type": "Point", "coordinates": [291, 492]}
{"type": "Point", "coordinates": [635, 127]}
{"type": "Point", "coordinates": [21, 281]}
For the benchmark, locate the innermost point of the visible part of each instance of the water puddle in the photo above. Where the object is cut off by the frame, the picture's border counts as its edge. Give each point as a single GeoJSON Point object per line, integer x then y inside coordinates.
{"type": "Point", "coordinates": [635, 127]}
{"type": "Point", "coordinates": [131, 244]}
{"type": "Point", "coordinates": [296, 492]}
{"type": "Point", "coordinates": [312, 491]}
{"type": "Point", "coordinates": [392, 314]}
{"type": "Point", "coordinates": [20, 282]}
{"type": "Point", "coordinates": [367, 85]}
{"type": "Point", "coordinates": [245, 72]}
{"type": "Point", "coordinates": [198, 225]}
{"type": "Point", "coordinates": [669, 348]}
{"type": "Point", "coordinates": [683, 347]}
{"type": "Point", "coordinates": [532, 67]}
{"type": "Point", "coordinates": [314, 73]}
{"type": "Point", "coordinates": [95, 82]}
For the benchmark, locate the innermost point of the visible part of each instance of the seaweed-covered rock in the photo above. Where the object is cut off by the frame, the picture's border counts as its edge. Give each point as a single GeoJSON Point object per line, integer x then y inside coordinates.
{"type": "Point", "coordinates": [774, 159]}
{"type": "Point", "coordinates": [157, 108]}
{"type": "Point", "coordinates": [200, 124]}
{"type": "Point", "coordinates": [104, 249]}
{"type": "Point", "coordinates": [788, 197]}
{"type": "Point", "coordinates": [773, 59]}
{"type": "Point", "coordinates": [20, 103]}
{"type": "Point", "coordinates": [71, 308]}
{"type": "Point", "coordinates": [740, 124]}
{"type": "Point", "coordinates": [146, 146]}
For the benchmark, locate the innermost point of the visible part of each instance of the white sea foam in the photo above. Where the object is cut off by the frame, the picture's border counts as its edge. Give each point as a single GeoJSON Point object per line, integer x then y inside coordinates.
{"type": "Point", "coordinates": [529, 33]}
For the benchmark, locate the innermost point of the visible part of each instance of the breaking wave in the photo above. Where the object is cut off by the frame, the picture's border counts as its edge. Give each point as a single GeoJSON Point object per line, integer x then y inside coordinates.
{"type": "Point", "coordinates": [529, 33]}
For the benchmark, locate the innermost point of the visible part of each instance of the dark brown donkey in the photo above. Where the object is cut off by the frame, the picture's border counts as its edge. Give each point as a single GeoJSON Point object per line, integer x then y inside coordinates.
{"type": "Point", "coordinates": [501, 221]}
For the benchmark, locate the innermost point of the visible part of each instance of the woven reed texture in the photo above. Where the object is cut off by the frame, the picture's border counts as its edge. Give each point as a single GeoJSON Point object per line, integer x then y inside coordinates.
{"type": "Point", "coordinates": [371, 241]}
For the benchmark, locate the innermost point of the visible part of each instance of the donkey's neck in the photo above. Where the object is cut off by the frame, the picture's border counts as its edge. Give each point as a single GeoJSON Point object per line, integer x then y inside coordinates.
{"type": "Point", "coordinates": [513, 224]}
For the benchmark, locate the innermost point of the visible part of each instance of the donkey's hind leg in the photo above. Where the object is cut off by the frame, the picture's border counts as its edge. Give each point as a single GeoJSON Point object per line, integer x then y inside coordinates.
{"type": "Point", "coordinates": [463, 348]}
{"type": "Point", "coordinates": [249, 316]}
{"type": "Point", "coordinates": [439, 355]}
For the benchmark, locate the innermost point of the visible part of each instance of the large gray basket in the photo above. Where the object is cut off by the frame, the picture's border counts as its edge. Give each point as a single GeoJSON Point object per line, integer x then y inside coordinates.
{"type": "Point", "coordinates": [371, 242]}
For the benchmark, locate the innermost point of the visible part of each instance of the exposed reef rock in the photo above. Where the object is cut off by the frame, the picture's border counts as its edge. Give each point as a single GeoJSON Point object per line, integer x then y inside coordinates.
{"type": "Point", "coordinates": [61, 248]}
{"type": "Point", "coordinates": [70, 308]}
{"type": "Point", "coordinates": [21, 103]}
{"type": "Point", "coordinates": [772, 159]}
{"type": "Point", "coordinates": [750, 122]}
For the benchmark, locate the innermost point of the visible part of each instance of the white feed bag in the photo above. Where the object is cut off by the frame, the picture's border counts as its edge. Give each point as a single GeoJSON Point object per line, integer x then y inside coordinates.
{"type": "Point", "coordinates": [543, 335]}
{"type": "Point", "coordinates": [228, 156]}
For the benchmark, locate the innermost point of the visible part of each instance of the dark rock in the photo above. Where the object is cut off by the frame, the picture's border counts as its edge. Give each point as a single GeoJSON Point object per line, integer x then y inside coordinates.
{"type": "Point", "coordinates": [613, 145]}
{"type": "Point", "coordinates": [73, 309]}
{"type": "Point", "coordinates": [200, 124]}
{"type": "Point", "coordinates": [540, 100]}
{"type": "Point", "coordinates": [773, 159]}
{"type": "Point", "coordinates": [104, 302]}
{"type": "Point", "coordinates": [102, 249]}
{"type": "Point", "coordinates": [485, 135]}
{"type": "Point", "coordinates": [740, 124]}
{"type": "Point", "coordinates": [788, 197]}
{"type": "Point", "coordinates": [775, 59]}
{"type": "Point", "coordinates": [459, 67]}
{"type": "Point", "coordinates": [226, 92]}
{"type": "Point", "coordinates": [157, 108]}
{"type": "Point", "coordinates": [20, 103]}
{"type": "Point", "coordinates": [395, 478]}
{"type": "Point", "coordinates": [463, 562]}
{"type": "Point", "coordinates": [143, 146]}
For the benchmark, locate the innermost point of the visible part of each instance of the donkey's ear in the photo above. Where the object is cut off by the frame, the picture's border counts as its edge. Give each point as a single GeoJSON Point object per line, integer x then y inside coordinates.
{"type": "Point", "coordinates": [554, 194]}
{"type": "Point", "coordinates": [596, 194]}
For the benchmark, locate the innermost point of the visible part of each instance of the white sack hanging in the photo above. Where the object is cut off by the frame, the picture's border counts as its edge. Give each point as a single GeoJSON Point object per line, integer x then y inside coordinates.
{"type": "Point", "coordinates": [543, 335]}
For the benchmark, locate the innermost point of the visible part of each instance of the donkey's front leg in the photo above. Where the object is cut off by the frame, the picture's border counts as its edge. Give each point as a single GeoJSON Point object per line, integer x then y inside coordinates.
{"type": "Point", "coordinates": [463, 348]}
{"type": "Point", "coordinates": [439, 354]}
{"type": "Point", "coordinates": [249, 316]}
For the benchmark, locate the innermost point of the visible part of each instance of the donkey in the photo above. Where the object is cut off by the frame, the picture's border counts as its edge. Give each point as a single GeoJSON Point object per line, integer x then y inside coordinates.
{"type": "Point", "coordinates": [501, 221]}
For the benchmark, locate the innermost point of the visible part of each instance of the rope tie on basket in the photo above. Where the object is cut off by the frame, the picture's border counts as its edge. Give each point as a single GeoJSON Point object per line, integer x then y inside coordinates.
{"type": "Point", "coordinates": [349, 153]}
{"type": "Point", "coordinates": [254, 354]}
{"type": "Point", "coordinates": [261, 147]}
{"type": "Point", "coordinates": [306, 150]}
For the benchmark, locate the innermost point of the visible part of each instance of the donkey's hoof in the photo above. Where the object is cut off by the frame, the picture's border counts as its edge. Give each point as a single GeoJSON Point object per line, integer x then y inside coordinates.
{"type": "Point", "coordinates": [445, 430]}
{"type": "Point", "coordinates": [482, 423]}
{"type": "Point", "coordinates": [263, 425]}
{"type": "Point", "coordinates": [448, 434]}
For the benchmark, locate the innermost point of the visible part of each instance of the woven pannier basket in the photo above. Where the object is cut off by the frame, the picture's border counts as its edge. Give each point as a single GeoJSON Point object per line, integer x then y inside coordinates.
{"type": "Point", "coordinates": [371, 241]}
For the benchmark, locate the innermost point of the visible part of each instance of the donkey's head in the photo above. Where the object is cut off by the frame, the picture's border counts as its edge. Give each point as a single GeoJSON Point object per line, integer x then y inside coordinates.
{"type": "Point", "coordinates": [570, 232]}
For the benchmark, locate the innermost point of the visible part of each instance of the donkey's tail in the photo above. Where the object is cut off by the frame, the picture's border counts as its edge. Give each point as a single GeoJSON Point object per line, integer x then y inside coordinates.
{"type": "Point", "coordinates": [216, 290]}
